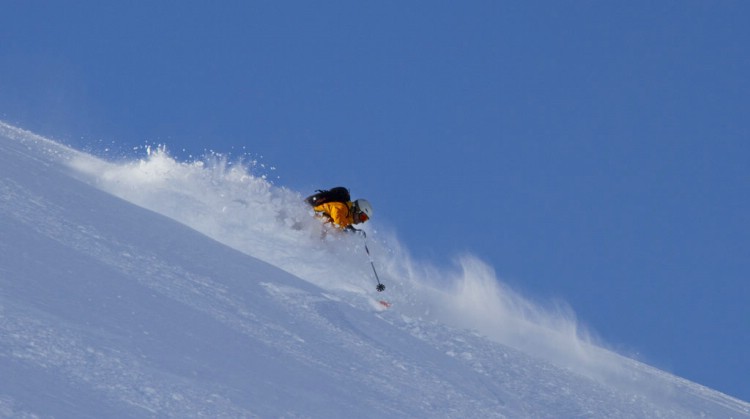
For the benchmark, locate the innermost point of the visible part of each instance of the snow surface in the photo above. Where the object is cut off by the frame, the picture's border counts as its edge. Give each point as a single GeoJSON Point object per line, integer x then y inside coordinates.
{"type": "Point", "coordinates": [158, 288]}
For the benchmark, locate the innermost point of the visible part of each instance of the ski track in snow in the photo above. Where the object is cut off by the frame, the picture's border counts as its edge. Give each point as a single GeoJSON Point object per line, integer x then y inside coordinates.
{"type": "Point", "coordinates": [253, 341]}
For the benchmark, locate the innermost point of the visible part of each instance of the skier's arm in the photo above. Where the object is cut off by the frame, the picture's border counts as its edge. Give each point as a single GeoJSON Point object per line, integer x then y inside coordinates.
{"type": "Point", "coordinates": [337, 213]}
{"type": "Point", "coordinates": [340, 214]}
{"type": "Point", "coordinates": [351, 229]}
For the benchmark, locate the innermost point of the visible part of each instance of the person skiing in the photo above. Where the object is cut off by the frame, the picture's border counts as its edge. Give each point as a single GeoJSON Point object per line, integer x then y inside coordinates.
{"type": "Point", "coordinates": [335, 207]}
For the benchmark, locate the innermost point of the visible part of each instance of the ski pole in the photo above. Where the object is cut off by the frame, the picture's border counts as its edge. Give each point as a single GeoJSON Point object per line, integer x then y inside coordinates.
{"type": "Point", "coordinates": [380, 287]}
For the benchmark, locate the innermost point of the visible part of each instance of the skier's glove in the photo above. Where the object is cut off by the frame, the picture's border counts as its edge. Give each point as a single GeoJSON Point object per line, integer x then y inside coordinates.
{"type": "Point", "coordinates": [354, 230]}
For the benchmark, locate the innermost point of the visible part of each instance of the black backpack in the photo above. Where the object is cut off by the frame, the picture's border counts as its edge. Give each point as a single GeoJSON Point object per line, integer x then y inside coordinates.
{"type": "Point", "coordinates": [337, 194]}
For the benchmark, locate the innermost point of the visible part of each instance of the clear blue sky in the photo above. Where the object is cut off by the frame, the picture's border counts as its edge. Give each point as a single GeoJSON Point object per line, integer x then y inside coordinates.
{"type": "Point", "coordinates": [594, 152]}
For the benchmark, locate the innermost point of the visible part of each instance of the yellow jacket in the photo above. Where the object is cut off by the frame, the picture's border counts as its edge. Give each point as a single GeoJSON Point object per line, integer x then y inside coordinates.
{"type": "Point", "coordinates": [337, 213]}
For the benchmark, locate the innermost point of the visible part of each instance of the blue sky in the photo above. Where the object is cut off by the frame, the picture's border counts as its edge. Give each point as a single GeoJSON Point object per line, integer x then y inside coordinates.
{"type": "Point", "coordinates": [592, 152]}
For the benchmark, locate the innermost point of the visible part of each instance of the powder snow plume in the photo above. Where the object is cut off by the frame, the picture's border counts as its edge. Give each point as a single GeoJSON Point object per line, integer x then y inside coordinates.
{"type": "Point", "coordinates": [225, 200]}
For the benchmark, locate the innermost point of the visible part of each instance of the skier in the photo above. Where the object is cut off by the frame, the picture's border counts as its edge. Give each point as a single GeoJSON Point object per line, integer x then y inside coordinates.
{"type": "Point", "coordinates": [336, 208]}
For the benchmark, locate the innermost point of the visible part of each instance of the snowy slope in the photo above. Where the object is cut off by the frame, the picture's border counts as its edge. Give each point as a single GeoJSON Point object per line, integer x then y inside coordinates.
{"type": "Point", "coordinates": [153, 288]}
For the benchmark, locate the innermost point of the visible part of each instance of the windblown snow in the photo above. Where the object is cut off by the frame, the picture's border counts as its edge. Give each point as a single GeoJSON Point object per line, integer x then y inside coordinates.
{"type": "Point", "coordinates": [153, 287]}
